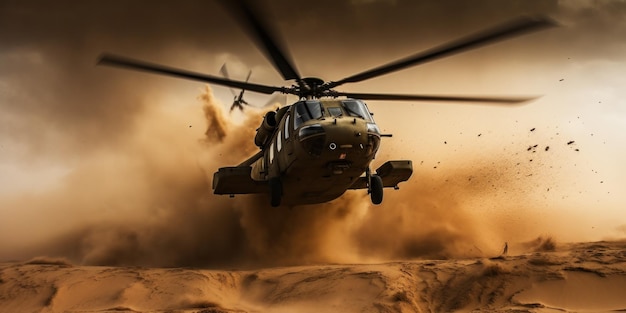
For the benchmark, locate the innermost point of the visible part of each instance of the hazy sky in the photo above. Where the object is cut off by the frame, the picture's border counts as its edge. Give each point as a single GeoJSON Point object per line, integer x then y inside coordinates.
{"type": "Point", "coordinates": [59, 109]}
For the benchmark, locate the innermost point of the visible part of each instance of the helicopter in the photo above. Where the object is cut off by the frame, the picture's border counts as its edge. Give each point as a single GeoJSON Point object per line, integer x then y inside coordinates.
{"type": "Point", "coordinates": [314, 150]}
{"type": "Point", "coordinates": [238, 101]}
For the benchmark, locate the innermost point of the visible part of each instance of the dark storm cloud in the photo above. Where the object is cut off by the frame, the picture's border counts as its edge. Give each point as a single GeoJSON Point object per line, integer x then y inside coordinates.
{"type": "Point", "coordinates": [50, 84]}
{"type": "Point", "coordinates": [55, 43]}
{"type": "Point", "coordinates": [76, 21]}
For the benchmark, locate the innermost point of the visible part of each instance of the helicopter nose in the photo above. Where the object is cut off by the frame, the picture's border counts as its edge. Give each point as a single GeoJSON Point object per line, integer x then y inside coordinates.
{"type": "Point", "coordinates": [346, 134]}
{"type": "Point", "coordinates": [312, 137]}
{"type": "Point", "coordinates": [341, 138]}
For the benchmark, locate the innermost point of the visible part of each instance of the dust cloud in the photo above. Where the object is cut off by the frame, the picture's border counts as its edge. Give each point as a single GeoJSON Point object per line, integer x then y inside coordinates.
{"type": "Point", "coordinates": [216, 125]}
{"type": "Point", "coordinates": [150, 204]}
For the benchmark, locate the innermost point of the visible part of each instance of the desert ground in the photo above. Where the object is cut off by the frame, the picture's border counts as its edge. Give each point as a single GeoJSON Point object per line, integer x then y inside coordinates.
{"type": "Point", "coordinates": [537, 276]}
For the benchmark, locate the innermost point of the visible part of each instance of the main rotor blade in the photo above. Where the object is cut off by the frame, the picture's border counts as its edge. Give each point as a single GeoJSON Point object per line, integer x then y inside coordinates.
{"type": "Point", "coordinates": [119, 61]}
{"type": "Point", "coordinates": [504, 31]}
{"type": "Point", "coordinates": [224, 71]}
{"type": "Point", "coordinates": [267, 40]}
{"type": "Point", "coordinates": [400, 97]}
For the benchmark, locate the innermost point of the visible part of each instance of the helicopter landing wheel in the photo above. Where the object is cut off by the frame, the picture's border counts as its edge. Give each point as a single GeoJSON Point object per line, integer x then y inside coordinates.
{"type": "Point", "coordinates": [276, 191]}
{"type": "Point", "coordinates": [376, 189]}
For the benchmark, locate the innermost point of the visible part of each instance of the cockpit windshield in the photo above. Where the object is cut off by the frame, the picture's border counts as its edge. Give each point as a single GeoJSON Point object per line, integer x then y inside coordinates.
{"type": "Point", "coordinates": [307, 110]}
{"type": "Point", "coordinates": [357, 108]}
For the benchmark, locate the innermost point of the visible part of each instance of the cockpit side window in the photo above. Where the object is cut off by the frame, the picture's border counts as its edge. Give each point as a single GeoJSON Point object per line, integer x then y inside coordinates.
{"type": "Point", "coordinates": [287, 126]}
{"type": "Point", "coordinates": [335, 111]}
{"type": "Point", "coordinates": [357, 109]}
{"type": "Point", "coordinates": [307, 110]}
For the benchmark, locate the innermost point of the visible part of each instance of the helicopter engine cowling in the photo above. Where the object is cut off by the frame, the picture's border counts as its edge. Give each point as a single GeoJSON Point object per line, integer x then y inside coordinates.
{"type": "Point", "coordinates": [265, 131]}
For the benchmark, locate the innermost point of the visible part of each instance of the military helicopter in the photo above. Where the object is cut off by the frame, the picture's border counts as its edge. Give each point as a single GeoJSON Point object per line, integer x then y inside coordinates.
{"type": "Point", "coordinates": [238, 101]}
{"type": "Point", "coordinates": [317, 148]}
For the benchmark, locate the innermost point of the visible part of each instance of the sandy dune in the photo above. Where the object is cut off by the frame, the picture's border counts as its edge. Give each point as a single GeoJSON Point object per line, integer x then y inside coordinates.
{"type": "Point", "coordinates": [580, 277]}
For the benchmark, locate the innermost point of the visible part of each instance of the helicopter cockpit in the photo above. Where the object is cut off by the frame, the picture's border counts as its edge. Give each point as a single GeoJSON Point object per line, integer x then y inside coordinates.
{"type": "Point", "coordinates": [306, 110]}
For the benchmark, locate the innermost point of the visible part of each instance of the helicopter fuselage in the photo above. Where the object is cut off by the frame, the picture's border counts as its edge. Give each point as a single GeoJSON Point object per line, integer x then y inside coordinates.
{"type": "Point", "coordinates": [313, 151]}
{"type": "Point", "coordinates": [319, 149]}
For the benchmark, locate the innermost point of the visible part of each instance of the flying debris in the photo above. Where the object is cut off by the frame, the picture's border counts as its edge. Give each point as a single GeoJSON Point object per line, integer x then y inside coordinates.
{"type": "Point", "coordinates": [532, 148]}
{"type": "Point", "coordinates": [317, 148]}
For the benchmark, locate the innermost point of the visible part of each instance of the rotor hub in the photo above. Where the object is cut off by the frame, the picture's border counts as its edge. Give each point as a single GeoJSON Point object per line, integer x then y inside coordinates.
{"type": "Point", "coordinates": [311, 87]}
